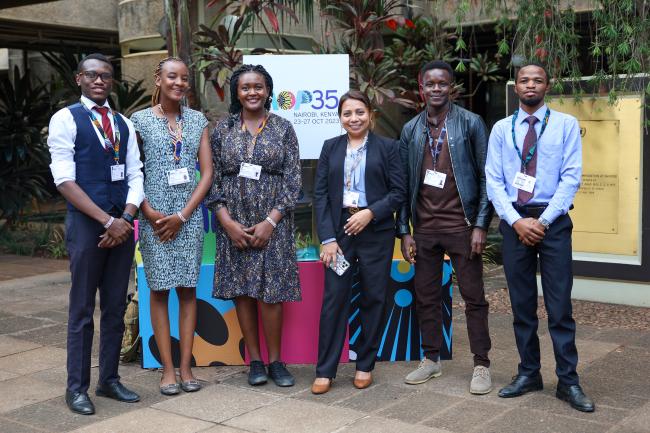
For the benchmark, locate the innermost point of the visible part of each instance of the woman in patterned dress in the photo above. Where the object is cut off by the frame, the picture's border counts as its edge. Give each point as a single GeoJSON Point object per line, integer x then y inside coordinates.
{"type": "Point", "coordinates": [171, 232]}
{"type": "Point", "coordinates": [256, 185]}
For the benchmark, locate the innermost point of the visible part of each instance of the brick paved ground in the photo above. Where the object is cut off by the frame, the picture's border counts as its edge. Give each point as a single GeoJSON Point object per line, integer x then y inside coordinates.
{"type": "Point", "coordinates": [613, 368]}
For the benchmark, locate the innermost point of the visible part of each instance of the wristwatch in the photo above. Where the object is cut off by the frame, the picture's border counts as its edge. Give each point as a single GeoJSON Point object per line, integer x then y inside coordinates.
{"type": "Point", "coordinates": [543, 222]}
{"type": "Point", "coordinates": [127, 217]}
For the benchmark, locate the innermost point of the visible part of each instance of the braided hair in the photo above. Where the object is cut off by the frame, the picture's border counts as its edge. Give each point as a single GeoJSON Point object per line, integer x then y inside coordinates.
{"type": "Point", "coordinates": [235, 105]}
{"type": "Point", "coordinates": [155, 98]}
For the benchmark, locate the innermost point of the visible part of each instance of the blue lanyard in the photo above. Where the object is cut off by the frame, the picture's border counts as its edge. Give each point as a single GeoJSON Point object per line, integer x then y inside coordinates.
{"type": "Point", "coordinates": [531, 152]}
{"type": "Point", "coordinates": [435, 152]}
{"type": "Point", "coordinates": [109, 145]}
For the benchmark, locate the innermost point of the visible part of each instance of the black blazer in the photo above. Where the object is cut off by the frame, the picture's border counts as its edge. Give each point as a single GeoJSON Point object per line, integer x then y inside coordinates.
{"type": "Point", "coordinates": [385, 186]}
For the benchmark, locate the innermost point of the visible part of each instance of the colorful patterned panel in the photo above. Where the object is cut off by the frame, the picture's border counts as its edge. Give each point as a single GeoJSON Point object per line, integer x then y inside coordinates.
{"type": "Point", "coordinates": [401, 339]}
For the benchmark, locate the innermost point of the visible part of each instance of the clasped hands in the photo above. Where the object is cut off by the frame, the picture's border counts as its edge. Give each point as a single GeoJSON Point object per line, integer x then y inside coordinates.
{"type": "Point", "coordinates": [166, 227]}
{"type": "Point", "coordinates": [530, 231]}
{"type": "Point", "coordinates": [353, 226]}
{"type": "Point", "coordinates": [117, 233]}
{"type": "Point", "coordinates": [243, 237]}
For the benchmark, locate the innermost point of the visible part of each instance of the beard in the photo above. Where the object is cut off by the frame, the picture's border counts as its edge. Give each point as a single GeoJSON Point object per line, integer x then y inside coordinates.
{"type": "Point", "coordinates": [531, 102]}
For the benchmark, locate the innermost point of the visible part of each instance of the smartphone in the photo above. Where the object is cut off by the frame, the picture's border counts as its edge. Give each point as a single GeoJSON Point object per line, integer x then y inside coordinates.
{"type": "Point", "coordinates": [342, 265]}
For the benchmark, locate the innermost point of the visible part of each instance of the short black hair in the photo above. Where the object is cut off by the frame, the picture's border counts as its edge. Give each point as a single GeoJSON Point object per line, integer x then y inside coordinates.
{"type": "Point", "coordinates": [93, 56]}
{"type": "Point", "coordinates": [437, 64]}
{"type": "Point", "coordinates": [235, 105]}
{"type": "Point", "coordinates": [533, 63]}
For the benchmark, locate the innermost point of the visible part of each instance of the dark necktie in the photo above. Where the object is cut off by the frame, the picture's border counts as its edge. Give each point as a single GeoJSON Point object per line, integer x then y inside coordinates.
{"type": "Point", "coordinates": [531, 168]}
{"type": "Point", "coordinates": [106, 122]}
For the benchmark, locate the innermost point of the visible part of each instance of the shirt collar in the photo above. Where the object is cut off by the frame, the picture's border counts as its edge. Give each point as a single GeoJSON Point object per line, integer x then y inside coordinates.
{"type": "Point", "coordinates": [91, 104]}
{"type": "Point", "coordinates": [540, 113]}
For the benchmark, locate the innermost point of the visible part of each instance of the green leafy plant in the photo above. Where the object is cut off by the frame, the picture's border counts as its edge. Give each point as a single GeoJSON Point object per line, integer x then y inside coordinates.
{"type": "Point", "coordinates": [24, 113]}
{"type": "Point", "coordinates": [128, 97]}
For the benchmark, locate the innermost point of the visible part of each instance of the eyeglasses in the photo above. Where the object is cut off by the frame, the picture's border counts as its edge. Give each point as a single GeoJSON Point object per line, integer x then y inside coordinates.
{"type": "Point", "coordinates": [92, 75]}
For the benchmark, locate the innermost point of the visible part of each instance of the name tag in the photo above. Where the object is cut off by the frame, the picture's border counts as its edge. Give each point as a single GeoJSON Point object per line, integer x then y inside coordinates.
{"type": "Point", "coordinates": [178, 176]}
{"type": "Point", "coordinates": [350, 199]}
{"type": "Point", "coordinates": [250, 171]}
{"type": "Point", "coordinates": [435, 178]}
{"type": "Point", "coordinates": [117, 172]}
{"type": "Point", "coordinates": [524, 182]}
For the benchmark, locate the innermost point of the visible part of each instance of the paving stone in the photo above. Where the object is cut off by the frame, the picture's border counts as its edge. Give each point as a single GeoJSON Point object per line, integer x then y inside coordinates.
{"type": "Point", "coordinates": [59, 316]}
{"type": "Point", "coordinates": [36, 304]}
{"type": "Point", "coordinates": [10, 345]}
{"type": "Point", "coordinates": [50, 416]}
{"type": "Point", "coordinates": [291, 415]}
{"type": "Point", "coordinates": [527, 420]}
{"type": "Point", "coordinates": [466, 415]}
{"type": "Point", "coordinates": [14, 324]}
{"type": "Point", "coordinates": [52, 335]}
{"type": "Point", "coordinates": [376, 397]}
{"type": "Point", "coordinates": [375, 424]}
{"type": "Point", "coordinates": [23, 391]}
{"type": "Point", "coordinates": [341, 390]}
{"type": "Point", "coordinates": [9, 426]}
{"type": "Point", "coordinates": [547, 402]}
{"type": "Point", "coordinates": [147, 420]}
{"type": "Point", "coordinates": [34, 360]}
{"type": "Point", "coordinates": [639, 419]}
{"type": "Point", "coordinates": [417, 407]}
{"type": "Point", "coordinates": [223, 429]}
{"type": "Point", "coordinates": [217, 403]}
{"type": "Point", "coordinates": [5, 375]}
{"type": "Point", "coordinates": [218, 374]}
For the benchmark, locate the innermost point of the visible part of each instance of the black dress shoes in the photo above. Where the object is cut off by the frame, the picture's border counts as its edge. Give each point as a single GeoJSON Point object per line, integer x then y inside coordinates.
{"type": "Point", "coordinates": [79, 402]}
{"type": "Point", "coordinates": [520, 385]}
{"type": "Point", "coordinates": [574, 395]}
{"type": "Point", "coordinates": [116, 391]}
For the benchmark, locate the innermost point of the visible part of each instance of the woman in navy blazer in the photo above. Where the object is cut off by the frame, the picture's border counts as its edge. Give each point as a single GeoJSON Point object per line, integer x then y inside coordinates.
{"type": "Point", "coordinates": [359, 187]}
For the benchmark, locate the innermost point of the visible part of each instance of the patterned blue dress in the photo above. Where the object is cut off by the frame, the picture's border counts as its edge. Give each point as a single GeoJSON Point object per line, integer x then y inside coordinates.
{"type": "Point", "coordinates": [174, 263]}
{"type": "Point", "coordinates": [269, 274]}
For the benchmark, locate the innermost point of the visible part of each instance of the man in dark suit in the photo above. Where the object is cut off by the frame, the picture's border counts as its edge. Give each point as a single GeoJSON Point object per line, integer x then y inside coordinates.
{"type": "Point", "coordinates": [96, 167]}
{"type": "Point", "coordinates": [443, 153]}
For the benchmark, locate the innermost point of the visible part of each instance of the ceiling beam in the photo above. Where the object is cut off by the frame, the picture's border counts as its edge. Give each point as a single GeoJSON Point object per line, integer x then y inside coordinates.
{"type": "Point", "coordinates": [6, 4]}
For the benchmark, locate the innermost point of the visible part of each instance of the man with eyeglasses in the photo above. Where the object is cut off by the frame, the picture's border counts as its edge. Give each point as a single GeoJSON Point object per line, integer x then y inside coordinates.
{"type": "Point", "coordinates": [96, 167]}
{"type": "Point", "coordinates": [443, 152]}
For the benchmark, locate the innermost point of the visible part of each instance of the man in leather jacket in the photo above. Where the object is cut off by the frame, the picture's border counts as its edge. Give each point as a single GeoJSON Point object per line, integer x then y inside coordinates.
{"type": "Point", "coordinates": [443, 152]}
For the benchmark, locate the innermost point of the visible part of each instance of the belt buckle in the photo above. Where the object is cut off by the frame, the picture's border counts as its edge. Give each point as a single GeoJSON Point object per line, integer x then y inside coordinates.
{"type": "Point", "coordinates": [353, 210]}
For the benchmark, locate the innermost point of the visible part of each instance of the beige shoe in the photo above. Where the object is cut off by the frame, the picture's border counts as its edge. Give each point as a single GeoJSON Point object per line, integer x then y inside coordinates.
{"type": "Point", "coordinates": [425, 371]}
{"type": "Point", "coordinates": [481, 381]}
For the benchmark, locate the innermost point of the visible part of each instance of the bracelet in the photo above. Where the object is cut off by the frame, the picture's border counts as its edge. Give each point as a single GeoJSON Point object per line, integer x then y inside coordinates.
{"type": "Point", "coordinates": [270, 221]}
{"type": "Point", "coordinates": [108, 224]}
{"type": "Point", "coordinates": [180, 215]}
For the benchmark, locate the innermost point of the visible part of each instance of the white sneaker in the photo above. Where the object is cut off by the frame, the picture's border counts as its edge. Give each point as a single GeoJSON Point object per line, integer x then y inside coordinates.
{"type": "Point", "coordinates": [481, 381]}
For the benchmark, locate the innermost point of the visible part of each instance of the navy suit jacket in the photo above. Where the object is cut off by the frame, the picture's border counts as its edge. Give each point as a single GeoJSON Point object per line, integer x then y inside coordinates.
{"type": "Point", "coordinates": [385, 186]}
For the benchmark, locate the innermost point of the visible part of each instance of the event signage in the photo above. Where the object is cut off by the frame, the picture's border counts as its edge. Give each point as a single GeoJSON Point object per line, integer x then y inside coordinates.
{"type": "Point", "coordinates": [306, 91]}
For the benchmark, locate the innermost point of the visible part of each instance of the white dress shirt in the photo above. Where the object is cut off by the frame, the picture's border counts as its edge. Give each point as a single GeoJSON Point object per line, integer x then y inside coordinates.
{"type": "Point", "coordinates": [62, 135]}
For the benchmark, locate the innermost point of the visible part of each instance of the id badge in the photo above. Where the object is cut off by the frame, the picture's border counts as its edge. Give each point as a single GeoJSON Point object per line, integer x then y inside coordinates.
{"type": "Point", "coordinates": [117, 172]}
{"type": "Point", "coordinates": [435, 178]}
{"type": "Point", "coordinates": [250, 171]}
{"type": "Point", "coordinates": [350, 199]}
{"type": "Point", "coordinates": [524, 182]}
{"type": "Point", "coordinates": [178, 176]}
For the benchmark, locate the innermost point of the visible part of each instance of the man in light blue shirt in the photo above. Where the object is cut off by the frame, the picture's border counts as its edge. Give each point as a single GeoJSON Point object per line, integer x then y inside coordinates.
{"type": "Point", "coordinates": [533, 171]}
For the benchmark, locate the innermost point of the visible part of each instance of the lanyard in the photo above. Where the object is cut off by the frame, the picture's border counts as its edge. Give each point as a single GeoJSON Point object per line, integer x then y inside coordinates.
{"type": "Point", "coordinates": [352, 161]}
{"type": "Point", "coordinates": [107, 142]}
{"type": "Point", "coordinates": [531, 152]}
{"type": "Point", "coordinates": [435, 152]}
{"type": "Point", "coordinates": [176, 135]}
{"type": "Point", "coordinates": [260, 128]}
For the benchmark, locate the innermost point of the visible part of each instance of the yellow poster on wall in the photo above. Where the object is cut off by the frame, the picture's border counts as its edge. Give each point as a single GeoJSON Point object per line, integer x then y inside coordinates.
{"type": "Point", "coordinates": [607, 212]}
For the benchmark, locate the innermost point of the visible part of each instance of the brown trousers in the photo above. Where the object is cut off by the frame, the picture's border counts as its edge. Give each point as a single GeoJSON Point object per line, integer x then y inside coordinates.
{"type": "Point", "coordinates": [431, 250]}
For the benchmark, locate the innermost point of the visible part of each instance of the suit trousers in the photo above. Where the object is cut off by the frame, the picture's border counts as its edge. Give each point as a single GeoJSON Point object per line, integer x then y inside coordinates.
{"type": "Point", "coordinates": [430, 256]}
{"type": "Point", "coordinates": [372, 253]}
{"type": "Point", "coordinates": [520, 266]}
{"type": "Point", "coordinates": [92, 267]}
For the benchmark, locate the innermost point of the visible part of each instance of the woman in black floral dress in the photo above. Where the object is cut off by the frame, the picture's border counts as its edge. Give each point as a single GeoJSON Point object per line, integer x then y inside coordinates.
{"type": "Point", "coordinates": [256, 185]}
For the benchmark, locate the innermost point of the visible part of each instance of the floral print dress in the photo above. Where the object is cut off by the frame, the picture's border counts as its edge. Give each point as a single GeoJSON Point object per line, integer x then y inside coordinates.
{"type": "Point", "coordinates": [269, 274]}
